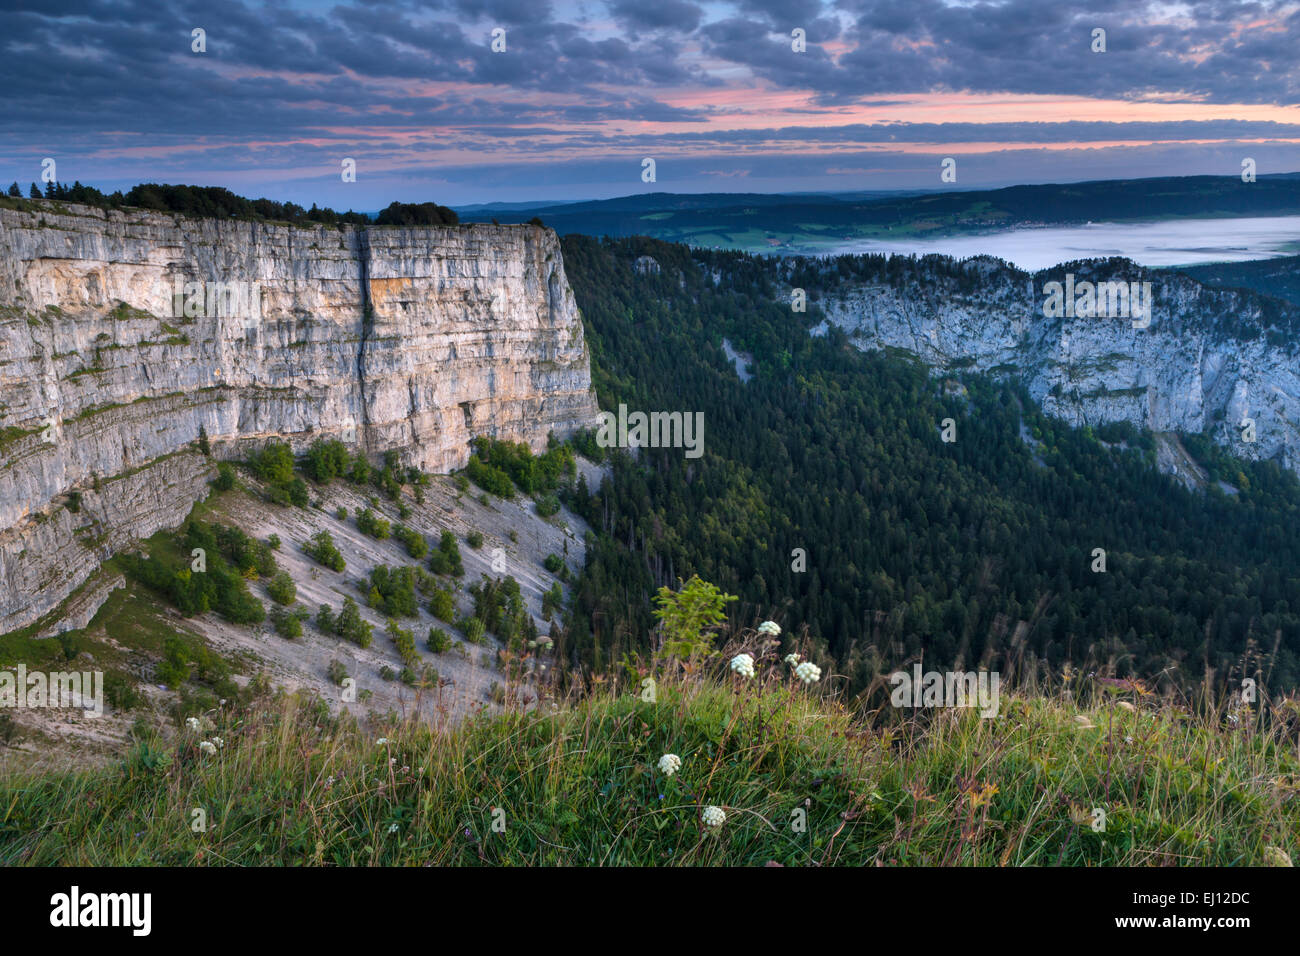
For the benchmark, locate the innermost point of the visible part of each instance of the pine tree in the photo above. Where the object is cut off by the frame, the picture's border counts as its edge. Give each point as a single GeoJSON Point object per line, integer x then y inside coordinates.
{"type": "Point", "coordinates": [35, 192]}
{"type": "Point", "coordinates": [15, 191]}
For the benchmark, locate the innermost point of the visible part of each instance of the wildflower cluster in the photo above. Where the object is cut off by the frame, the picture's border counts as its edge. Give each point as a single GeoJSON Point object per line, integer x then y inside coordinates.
{"type": "Point", "coordinates": [743, 664]}
{"type": "Point", "coordinates": [808, 672]}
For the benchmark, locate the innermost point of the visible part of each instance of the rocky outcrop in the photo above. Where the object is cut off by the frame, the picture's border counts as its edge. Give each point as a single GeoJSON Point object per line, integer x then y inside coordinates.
{"type": "Point", "coordinates": [1208, 361]}
{"type": "Point", "coordinates": [112, 359]}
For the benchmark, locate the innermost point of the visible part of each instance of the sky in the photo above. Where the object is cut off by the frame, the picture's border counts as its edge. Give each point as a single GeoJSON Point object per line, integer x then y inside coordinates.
{"type": "Point", "coordinates": [117, 92]}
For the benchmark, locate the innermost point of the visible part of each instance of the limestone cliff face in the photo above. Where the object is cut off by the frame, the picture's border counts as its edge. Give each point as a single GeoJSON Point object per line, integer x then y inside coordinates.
{"type": "Point", "coordinates": [1209, 358]}
{"type": "Point", "coordinates": [410, 338]}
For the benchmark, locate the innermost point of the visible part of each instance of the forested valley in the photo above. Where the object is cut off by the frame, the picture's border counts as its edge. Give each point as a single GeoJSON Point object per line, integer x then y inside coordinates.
{"type": "Point", "coordinates": [976, 552]}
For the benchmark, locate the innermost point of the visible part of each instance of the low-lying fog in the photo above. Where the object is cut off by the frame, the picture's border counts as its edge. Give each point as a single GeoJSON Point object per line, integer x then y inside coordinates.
{"type": "Point", "coordinates": [1167, 243]}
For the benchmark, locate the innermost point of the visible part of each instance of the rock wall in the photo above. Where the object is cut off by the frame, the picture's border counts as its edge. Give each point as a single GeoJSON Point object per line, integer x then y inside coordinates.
{"type": "Point", "coordinates": [112, 359]}
{"type": "Point", "coordinates": [1209, 358]}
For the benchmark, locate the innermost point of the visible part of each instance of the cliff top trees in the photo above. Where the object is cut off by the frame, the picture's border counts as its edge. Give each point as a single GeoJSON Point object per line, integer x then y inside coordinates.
{"type": "Point", "coordinates": [214, 202]}
{"type": "Point", "coordinates": [416, 214]}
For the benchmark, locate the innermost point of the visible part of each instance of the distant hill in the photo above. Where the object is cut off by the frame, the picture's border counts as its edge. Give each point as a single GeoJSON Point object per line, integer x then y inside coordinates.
{"type": "Point", "coordinates": [811, 223]}
{"type": "Point", "coordinates": [482, 210]}
{"type": "Point", "coordinates": [658, 201]}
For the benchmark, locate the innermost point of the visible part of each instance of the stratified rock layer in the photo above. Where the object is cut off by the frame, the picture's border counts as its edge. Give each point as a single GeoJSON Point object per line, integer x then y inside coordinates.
{"type": "Point", "coordinates": [415, 339]}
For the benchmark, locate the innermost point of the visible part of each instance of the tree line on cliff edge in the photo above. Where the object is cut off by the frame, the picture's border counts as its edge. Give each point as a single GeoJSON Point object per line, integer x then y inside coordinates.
{"type": "Point", "coordinates": [218, 203]}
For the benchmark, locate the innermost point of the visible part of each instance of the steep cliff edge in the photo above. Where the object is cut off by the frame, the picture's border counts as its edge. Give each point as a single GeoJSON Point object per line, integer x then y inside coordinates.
{"type": "Point", "coordinates": [112, 359]}
{"type": "Point", "coordinates": [1206, 361]}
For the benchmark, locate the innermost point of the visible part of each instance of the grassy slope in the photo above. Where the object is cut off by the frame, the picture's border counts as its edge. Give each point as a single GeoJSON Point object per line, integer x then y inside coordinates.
{"type": "Point", "coordinates": [579, 786]}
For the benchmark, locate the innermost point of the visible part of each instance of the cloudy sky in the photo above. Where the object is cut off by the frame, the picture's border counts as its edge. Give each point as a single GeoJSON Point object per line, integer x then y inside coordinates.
{"type": "Point", "coordinates": [584, 90]}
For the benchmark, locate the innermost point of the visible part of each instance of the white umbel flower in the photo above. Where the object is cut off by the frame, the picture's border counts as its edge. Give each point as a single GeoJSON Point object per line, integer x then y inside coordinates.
{"type": "Point", "coordinates": [669, 764]}
{"type": "Point", "coordinates": [219, 742]}
{"type": "Point", "coordinates": [770, 627]}
{"type": "Point", "coordinates": [381, 741]}
{"type": "Point", "coordinates": [743, 665]}
{"type": "Point", "coordinates": [192, 723]}
{"type": "Point", "coordinates": [713, 817]}
{"type": "Point", "coordinates": [208, 747]}
{"type": "Point", "coordinates": [792, 660]}
{"type": "Point", "coordinates": [808, 672]}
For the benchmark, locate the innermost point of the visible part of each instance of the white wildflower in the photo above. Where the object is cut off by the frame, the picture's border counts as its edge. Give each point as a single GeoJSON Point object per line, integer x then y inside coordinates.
{"type": "Point", "coordinates": [392, 828]}
{"type": "Point", "coordinates": [219, 742]}
{"type": "Point", "coordinates": [743, 665]}
{"type": "Point", "coordinates": [792, 660]}
{"type": "Point", "coordinates": [770, 627]}
{"type": "Point", "coordinates": [713, 817]}
{"type": "Point", "coordinates": [381, 741]}
{"type": "Point", "coordinates": [808, 672]}
{"type": "Point", "coordinates": [669, 764]}
{"type": "Point", "coordinates": [208, 747]}
{"type": "Point", "coordinates": [192, 723]}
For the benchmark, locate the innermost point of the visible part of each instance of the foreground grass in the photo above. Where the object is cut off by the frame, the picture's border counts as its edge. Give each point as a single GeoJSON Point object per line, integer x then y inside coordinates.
{"type": "Point", "coordinates": [580, 786]}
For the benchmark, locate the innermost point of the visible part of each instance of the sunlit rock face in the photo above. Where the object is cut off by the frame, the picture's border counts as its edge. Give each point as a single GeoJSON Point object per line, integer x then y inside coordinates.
{"type": "Point", "coordinates": [113, 356]}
